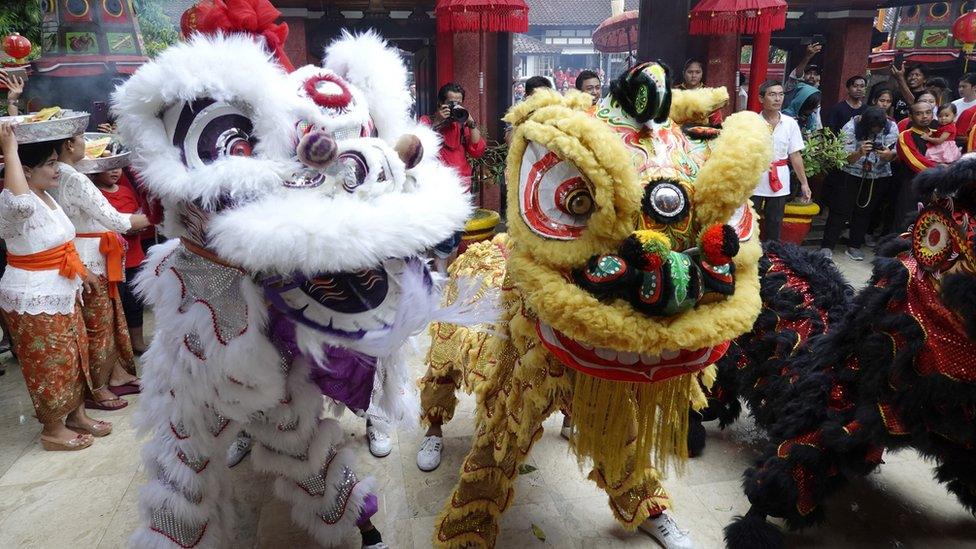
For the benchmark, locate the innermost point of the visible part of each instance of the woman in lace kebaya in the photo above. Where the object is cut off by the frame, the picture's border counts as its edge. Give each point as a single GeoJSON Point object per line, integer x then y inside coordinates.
{"type": "Point", "coordinates": [102, 250]}
{"type": "Point", "coordinates": [39, 295]}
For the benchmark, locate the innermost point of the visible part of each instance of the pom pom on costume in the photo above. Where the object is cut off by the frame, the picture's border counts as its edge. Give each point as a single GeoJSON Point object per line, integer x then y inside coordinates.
{"type": "Point", "coordinates": [719, 244]}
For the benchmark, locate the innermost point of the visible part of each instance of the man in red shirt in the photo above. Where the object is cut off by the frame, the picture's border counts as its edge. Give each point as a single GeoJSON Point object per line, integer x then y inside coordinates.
{"type": "Point", "coordinates": [461, 138]}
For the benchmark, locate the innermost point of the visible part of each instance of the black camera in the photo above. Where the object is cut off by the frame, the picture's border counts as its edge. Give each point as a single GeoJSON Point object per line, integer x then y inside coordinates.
{"type": "Point", "coordinates": [458, 113]}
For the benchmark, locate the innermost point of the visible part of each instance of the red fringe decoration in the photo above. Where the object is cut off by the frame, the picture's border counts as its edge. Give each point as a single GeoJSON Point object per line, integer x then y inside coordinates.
{"type": "Point", "coordinates": [765, 20]}
{"type": "Point", "coordinates": [482, 16]}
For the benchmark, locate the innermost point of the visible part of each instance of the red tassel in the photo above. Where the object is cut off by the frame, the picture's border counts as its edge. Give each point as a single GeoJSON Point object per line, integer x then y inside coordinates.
{"type": "Point", "coordinates": [742, 22]}
{"type": "Point", "coordinates": [482, 16]}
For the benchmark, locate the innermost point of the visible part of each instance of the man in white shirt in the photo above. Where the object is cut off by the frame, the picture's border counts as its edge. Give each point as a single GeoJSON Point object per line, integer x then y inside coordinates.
{"type": "Point", "coordinates": [967, 93]}
{"type": "Point", "coordinates": [965, 111]}
{"type": "Point", "coordinates": [773, 190]}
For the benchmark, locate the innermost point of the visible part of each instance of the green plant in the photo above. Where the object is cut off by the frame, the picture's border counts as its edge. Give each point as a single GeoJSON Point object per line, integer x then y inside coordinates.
{"type": "Point", "coordinates": [824, 152]}
{"type": "Point", "coordinates": [158, 31]}
{"type": "Point", "coordinates": [490, 168]}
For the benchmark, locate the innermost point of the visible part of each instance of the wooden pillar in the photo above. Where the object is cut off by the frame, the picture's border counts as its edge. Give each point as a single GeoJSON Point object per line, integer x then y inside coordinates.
{"type": "Point", "coordinates": [296, 46]}
{"type": "Point", "coordinates": [664, 32]}
{"type": "Point", "coordinates": [845, 55]}
{"type": "Point", "coordinates": [723, 64]}
{"type": "Point", "coordinates": [445, 58]}
{"type": "Point", "coordinates": [758, 67]}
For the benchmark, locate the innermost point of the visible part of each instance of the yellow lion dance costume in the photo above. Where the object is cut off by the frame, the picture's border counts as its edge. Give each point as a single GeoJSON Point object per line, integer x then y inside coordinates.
{"type": "Point", "coordinates": [632, 262]}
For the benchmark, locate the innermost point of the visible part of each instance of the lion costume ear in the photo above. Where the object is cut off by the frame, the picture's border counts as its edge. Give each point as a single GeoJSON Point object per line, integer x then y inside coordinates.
{"type": "Point", "coordinates": [694, 106]}
{"type": "Point", "coordinates": [644, 92]}
{"type": "Point", "coordinates": [546, 97]}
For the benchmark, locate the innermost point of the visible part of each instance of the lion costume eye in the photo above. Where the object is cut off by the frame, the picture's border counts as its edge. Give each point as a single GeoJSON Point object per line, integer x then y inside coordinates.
{"type": "Point", "coordinates": [205, 130]}
{"type": "Point", "coordinates": [554, 199]}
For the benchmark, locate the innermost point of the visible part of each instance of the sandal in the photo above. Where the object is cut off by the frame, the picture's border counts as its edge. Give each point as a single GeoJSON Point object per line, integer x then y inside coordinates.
{"type": "Point", "coordinates": [97, 429]}
{"type": "Point", "coordinates": [92, 404]}
{"type": "Point", "coordinates": [133, 387]}
{"type": "Point", "coordinates": [53, 444]}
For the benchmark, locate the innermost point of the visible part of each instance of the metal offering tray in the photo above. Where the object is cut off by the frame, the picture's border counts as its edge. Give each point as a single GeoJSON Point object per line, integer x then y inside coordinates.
{"type": "Point", "coordinates": [120, 157]}
{"type": "Point", "coordinates": [68, 124]}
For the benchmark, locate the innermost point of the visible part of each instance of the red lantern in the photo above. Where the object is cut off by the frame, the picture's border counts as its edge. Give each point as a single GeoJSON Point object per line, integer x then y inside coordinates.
{"type": "Point", "coordinates": [17, 46]}
{"type": "Point", "coordinates": [964, 30]}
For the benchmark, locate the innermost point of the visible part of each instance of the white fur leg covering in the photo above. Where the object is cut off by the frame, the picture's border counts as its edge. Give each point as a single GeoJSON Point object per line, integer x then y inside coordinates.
{"type": "Point", "coordinates": [183, 504]}
{"type": "Point", "coordinates": [315, 472]}
{"type": "Point", "coordinates": [195, 386]}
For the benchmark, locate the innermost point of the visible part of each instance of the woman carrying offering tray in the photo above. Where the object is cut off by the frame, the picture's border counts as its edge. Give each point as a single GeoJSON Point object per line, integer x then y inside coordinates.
{"type": "Point", "coordinates": [39, 294]}
{"type": "Point", "coordinates": [102, 250]}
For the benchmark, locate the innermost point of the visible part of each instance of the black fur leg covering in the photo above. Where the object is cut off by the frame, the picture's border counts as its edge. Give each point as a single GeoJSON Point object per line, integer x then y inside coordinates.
{"type": "Point", "coordinates": [753, 531]}
{"type": "Point", "coordinates": [696, 434]}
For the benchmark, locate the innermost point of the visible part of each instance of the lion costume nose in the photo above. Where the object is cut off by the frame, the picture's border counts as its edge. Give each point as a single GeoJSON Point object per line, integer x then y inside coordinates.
{"type": "Point", "coordinates": [317, 149]}
{"type": "Point", "coordinates": [659, 281]}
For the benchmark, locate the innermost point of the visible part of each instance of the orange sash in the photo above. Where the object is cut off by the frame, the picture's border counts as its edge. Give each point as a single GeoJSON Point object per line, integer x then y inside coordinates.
{"type": "Point", "coordinates": [63, 258]}
{"type": "Point", "coordinates": [111, 247]}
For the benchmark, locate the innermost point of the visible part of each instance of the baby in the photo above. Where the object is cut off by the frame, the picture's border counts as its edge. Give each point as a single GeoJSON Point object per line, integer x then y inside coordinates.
{"type": "Point", "coordinates": [942, 143]}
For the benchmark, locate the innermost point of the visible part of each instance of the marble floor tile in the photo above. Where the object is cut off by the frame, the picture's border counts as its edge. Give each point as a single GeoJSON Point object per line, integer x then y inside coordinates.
{"type": "Point", "coordinates": [108, 456]}
{"type": "Point", "coordinates": [70, 512]}
{"type": "Point", "coordinates": [126, 517]}
{"type": "Point", "coordinates": [90, 498]}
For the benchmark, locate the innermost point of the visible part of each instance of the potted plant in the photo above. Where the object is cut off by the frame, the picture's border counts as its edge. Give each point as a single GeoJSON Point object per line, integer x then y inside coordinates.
{"type": "Point", "coordinates": [486, 172]}
{"type": "Point", "coordinates": [824, 152]}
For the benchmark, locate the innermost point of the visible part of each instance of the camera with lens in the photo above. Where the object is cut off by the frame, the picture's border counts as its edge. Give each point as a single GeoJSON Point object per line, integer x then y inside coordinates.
{"type": "Point", "coordinates": [458, 113]}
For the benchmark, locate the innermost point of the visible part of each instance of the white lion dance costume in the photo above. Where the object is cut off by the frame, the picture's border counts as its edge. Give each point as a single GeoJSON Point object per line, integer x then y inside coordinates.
{"type": "Point", "coordinates": [297, 206]}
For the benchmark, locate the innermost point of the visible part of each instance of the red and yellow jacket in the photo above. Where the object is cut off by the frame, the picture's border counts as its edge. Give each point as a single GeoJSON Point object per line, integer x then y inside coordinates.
{"type": "Point", "coordinates": [911, 150]}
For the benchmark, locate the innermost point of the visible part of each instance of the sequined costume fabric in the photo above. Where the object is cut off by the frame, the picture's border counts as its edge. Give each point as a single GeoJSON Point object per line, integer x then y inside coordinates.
{"type": "Point", "coordinates": [108, 335]}
{"type": "Point", "coordinates": [53, 355]}
{"type": "Point", "coordinates": [526, 386]}
{"type": "Point", "coordinates": [237, 381]}
{"type": "Point", "coordinates": [458, 355]}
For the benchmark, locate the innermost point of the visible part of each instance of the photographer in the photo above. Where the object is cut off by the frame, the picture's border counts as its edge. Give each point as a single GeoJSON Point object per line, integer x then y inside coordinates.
{"type": "Point", "coordinates": [461, 138]}
{"type": "Point", "coordinates": [869, 140]}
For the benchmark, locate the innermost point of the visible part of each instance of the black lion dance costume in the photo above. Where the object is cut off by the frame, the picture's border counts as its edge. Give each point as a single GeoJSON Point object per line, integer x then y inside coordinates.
{"type": "Point", "coordinates": [835, 379]}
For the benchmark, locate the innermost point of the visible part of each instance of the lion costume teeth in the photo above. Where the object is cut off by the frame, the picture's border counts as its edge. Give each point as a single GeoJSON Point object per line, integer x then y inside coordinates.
{"type": "Point", "coordinates": [632, 263]}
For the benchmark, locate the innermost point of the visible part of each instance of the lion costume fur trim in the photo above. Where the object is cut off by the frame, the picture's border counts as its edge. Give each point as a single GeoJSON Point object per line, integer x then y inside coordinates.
{"type": "Point", "coordinates": [739, 156]}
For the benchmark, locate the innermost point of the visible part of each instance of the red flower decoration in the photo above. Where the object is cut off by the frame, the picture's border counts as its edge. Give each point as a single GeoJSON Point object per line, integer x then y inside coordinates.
{"type": "Point", "coordinates": [254, 17]}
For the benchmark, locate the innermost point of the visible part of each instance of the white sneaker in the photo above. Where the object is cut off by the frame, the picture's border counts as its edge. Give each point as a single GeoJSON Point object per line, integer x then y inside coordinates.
{"type": "Point", "coordinates": [429, 456]}
{"type": "Point", "coordinates": [380, 443]}
{"type": "Point", "coordinates": [380, 545]}
{"type": "Point", "coordinates": [665, 531]}
{"type": "Point", "coordinates": [239, 449]}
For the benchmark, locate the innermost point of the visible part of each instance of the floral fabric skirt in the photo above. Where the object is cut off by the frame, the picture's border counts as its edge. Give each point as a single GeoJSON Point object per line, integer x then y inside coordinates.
{"type": "Point", "coordinates": [108, 335]}
{"type": "Point", "coordinates": [53, 353]}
